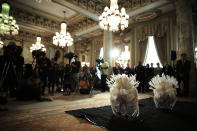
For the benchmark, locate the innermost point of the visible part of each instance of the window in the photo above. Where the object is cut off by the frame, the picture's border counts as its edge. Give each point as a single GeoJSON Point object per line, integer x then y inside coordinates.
{"type": "Point", "coordinates": [101, 53]}
{"type": "Point", "coordinates": [151, 53]}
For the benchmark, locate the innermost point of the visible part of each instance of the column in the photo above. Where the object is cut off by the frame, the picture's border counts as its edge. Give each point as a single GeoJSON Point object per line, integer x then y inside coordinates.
{"type": "Point", "coordinates": [92, 51]}
{"type": "Point", "coordinates": [107, 48]}
{"type": "Point", "coordinates": [137, 49]}
{"type": "Point", "coordinates": [132, 49]}
{"type": "Point", "coordinates": [72, 48]}
{"type": "Point", "coordinates": [186, 39]}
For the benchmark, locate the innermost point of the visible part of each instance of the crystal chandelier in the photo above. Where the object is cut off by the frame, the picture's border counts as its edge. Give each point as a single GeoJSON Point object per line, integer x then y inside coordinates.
{"type": "Point", "coordinates": [37, 45]}
{"type": "Point", "coordinates": [112, 19]}
{"type": "Point", "coordinates": [63, 38]}
{"type": "Point", "coordinates": [8, 24]}
{"type": "Point", "coordinates": [124, 57]}
{"type": "Point", "coordinates": [39, 1]}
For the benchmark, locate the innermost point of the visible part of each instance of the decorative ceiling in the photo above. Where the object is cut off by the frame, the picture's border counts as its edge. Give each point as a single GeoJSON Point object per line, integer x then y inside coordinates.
{"type": "Point", "coordinates": [81, 15]}
{"type": "Point", "coordinates": [98, 5]}
{"type": "Point", "coordinates": [48, 7]}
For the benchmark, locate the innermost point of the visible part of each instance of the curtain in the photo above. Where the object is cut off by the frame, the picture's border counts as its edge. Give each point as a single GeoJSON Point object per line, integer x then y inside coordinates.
{"type": "Point", "coordinates": [143, 48]}
{"type": "Point", "coordinates": [161, 47]}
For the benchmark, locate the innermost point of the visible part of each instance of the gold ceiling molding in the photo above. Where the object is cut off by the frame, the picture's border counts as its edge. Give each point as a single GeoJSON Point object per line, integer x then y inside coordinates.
{"type": "Point", "coordinates": [33, 19]}
{"type": "Point", "coordinates": [28, 36]}
{"type": "Point", "coordinates": [75, 19]}
{"type": "Point", "coordinates": [31, 9]}
{"type": "Point", "coordinates": [76, 24]}
{"type": "Point", "coordinates": [98, 5]}
{"type": "Point", "coordinates": [81, 25]}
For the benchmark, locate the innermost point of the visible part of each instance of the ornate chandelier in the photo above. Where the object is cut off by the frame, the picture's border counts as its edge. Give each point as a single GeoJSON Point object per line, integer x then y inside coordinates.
{"type": "Point", "coordinates": [37, 45]}
{"type": "Point", "coordinates": [8, 24]}
{"type": "Point", "coordinates": [63, 38]}
{"type": "Point", "coordinates": [124, 57]}
{"type": "Point", "coordinates": [112, 19]}
{"type": "Point", "coordinates": [39, 1]}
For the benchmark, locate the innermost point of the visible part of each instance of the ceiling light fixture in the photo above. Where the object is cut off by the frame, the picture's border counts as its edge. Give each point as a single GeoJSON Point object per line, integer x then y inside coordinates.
{"type": "Point", "coordinates": [124, 57]}
{"type": "Point", "coordinates": [8, 24]}
{"type": "Point", "coordinates": [38, 45]}
{"type": "Point", "coordinates": [112, 19]}
{"type": "Point", "coordinates": [63, 38]}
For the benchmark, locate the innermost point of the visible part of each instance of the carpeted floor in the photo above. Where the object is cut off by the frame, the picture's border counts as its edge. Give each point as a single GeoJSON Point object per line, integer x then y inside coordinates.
{"type": "Point", "coordinates": [182, 118]}
{"type": "Point", "coordinates": [51, 116]}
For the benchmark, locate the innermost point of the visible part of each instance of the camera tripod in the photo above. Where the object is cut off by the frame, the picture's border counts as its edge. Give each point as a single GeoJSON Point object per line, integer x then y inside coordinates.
{"type": "Point", "coordinates": [6, 68]}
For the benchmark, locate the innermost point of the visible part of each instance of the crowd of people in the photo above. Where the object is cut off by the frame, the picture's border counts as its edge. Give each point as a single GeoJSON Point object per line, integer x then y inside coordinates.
{"type": "Point", "coordinates": [29, 81]}
{"type": "Point", "coordinates": [145, 73]}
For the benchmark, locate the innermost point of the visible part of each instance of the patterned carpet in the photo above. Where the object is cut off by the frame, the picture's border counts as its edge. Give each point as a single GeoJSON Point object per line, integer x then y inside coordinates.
{"type": "Point", "coordinates": [50, 116]}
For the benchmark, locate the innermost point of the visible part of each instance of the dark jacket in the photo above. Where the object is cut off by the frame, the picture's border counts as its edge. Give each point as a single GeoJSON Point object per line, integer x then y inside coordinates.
{"type": "Point", "coordinates": [183, 68]}
{"type": "Point", "coordinates": [76, 66]}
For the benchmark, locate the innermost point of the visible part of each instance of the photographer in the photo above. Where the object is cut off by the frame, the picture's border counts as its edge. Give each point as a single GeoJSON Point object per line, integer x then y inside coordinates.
{"type": "Point", "coordinates": [43, 68]}
{"type": "Point", "coordinates": [52, 74]}
{"type": "Point", "coordinates": [11, 68]}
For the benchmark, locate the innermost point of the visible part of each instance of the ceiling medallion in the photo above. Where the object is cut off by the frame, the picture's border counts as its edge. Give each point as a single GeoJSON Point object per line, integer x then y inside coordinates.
{"type": "Point", "coordinates": [112, 19]}
{"type": "Point", "coordinates": [147, 16]}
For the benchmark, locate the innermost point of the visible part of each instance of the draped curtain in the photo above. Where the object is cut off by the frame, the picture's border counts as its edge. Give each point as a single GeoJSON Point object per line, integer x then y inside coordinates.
{"type": "Point", "coordinates": [152, 29]}
{"type": "Point", "coordinates": [161, 47]}
{"type": "Point", "coordinates": [143, 48]}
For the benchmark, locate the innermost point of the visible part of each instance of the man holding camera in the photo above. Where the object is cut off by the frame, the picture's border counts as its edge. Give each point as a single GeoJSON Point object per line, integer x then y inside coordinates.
{"type": "Point", "coordinates": [43, 68]}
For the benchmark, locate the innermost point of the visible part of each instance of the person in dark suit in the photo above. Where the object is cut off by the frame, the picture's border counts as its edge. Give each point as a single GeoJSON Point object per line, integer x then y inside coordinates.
{"type": "Point", "coordinates": [182, 72]}
{"type": "Point", "coordinates": [168, 70]}
{"type": "Point", "coordinates": [52, 74]}
{"type": "Point", "coordinates": [128, 70]}
{"type": "Point", "coordinates": [140, 71]}
{"type": "Point", "coordinates": [118, 69]}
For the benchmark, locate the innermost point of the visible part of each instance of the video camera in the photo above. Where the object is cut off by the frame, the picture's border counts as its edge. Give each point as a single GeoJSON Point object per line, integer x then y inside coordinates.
{"type": "Point", "coordinates": [99, 61]}
{"type": "Point", "coordinates": [12, 50]}
{"type": "Point", "coordinates": [12, 54]}
{"type": "Point", "coordinates": [37, 53]}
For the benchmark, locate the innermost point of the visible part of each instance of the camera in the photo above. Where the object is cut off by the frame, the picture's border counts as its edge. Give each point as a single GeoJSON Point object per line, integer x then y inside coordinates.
{"type": "Point", "coordinates": [37, 53]}
{"type": "Point", "coordinates": [99, 61]}
{"type": "Point", "coordinates": [12, 54]}
{"type": "Point", "coordinates": [12, 50]}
